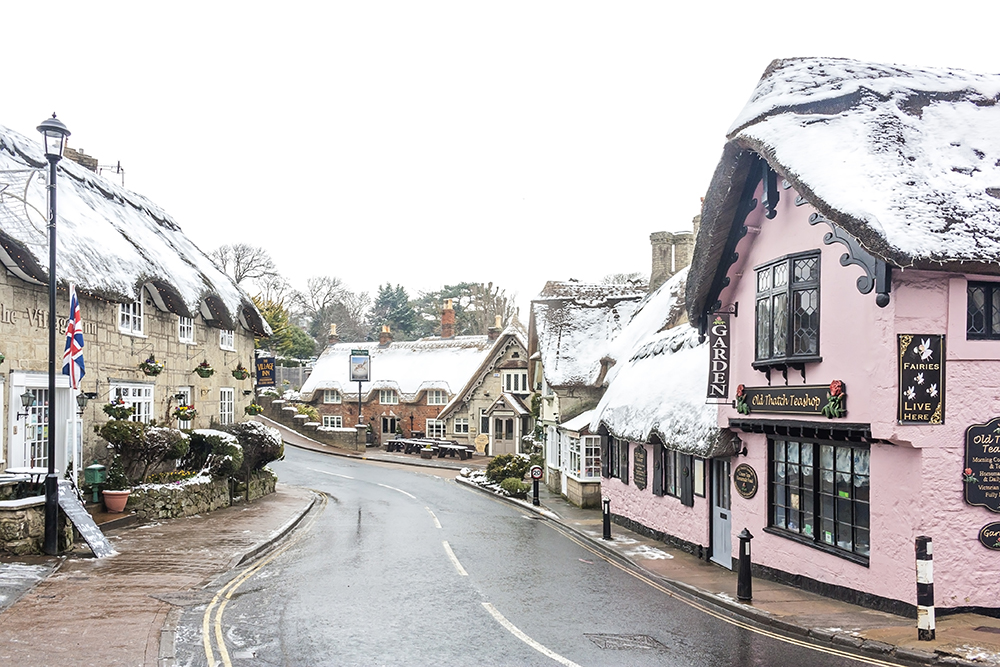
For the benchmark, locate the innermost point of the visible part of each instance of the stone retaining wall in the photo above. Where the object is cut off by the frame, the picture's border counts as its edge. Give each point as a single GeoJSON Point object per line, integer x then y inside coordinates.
{"type": "Point", "coordinates": [171, 501]}
{"type": "Point", "coordinates": [279, 410]}
{"type": "Point", "coordinates": [22, 527]}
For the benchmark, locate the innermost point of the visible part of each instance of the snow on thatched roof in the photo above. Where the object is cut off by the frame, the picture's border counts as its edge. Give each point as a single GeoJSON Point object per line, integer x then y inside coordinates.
{"type": "Point", "coordinates": [574, 324]}
{"type": "Point", "coordinates": [905, 159]}
{"type": "Point", "coordinates": [110, 241]}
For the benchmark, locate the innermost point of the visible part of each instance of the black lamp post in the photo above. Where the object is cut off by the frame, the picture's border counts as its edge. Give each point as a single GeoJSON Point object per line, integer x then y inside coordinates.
{"type": "Point", "coordinates": [55, 134]}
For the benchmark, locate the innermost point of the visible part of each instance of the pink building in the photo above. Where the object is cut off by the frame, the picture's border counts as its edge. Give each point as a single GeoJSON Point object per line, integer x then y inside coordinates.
{"type": "Point", "coordinates": [851, 238]}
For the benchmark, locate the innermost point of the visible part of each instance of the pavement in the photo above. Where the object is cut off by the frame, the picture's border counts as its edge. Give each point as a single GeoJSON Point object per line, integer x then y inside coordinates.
{"type": "Point", "coordinates": [79, 610]}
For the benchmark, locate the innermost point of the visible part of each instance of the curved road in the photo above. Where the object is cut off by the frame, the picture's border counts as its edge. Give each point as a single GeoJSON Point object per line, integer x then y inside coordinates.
{"type": "Point", "coordinates": [404, 566]}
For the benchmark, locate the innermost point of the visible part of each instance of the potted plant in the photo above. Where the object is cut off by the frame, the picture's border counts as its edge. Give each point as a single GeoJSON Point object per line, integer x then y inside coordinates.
{"type": "Point", "coordinates": [204, 369]}
{"type": "Point", "coordinates": [240, 373]}
{"type": "Point", "coordinates": [253, 409]}
{"type": "Point", "coordinates": [116, 487]}
{"type": "Point", "coordinates": [151, 366]}
{"type": "Point", "coordinates": [184, 413]}
{"type": "Point", "coordinates": [118, 409]}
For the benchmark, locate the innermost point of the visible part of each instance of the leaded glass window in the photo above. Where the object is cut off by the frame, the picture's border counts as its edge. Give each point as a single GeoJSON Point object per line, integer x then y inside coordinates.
{"type": "Point", "coordinates": [787, 309]}
{"type": "Point", "coordinates": [982, 317]}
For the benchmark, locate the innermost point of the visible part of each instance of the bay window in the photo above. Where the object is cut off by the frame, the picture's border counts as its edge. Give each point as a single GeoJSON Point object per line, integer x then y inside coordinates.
{"type": "Point", "coordinates": [787, 310]}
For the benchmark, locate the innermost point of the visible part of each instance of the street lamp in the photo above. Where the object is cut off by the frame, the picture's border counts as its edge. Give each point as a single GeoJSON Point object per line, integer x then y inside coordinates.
{"type": "Point", "coordinates": [55, 134]}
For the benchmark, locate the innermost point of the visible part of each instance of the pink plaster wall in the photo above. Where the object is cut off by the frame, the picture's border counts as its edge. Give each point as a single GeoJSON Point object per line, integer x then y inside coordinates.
{"type": "Point", "coordinates": [663, 513]}
{"type": "Point", "coordinates": [916, 486]}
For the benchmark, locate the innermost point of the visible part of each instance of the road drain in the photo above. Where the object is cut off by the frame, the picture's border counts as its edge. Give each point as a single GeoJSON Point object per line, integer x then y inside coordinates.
{"type": "Point", "coordinates": [624, 642]}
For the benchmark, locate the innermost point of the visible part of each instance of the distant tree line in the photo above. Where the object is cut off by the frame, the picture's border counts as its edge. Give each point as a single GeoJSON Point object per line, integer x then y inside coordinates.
{"type": "Point", "coordinates": [300, 320]}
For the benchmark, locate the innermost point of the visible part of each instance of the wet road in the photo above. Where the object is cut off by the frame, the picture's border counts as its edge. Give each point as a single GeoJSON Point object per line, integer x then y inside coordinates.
{"type": "Point", "coordinates": [405, 567]}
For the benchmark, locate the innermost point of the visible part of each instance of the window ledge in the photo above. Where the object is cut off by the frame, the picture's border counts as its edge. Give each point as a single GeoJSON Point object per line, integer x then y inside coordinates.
{"type": "Point", "coordinates": [833, 551]}
{"type": "Point", "coordinates": [783, 365]}
{"type": "Point", "coordinates": [132, 334]}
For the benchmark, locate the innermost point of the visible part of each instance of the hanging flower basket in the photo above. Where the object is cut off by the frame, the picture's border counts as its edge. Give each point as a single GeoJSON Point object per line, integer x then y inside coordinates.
{"type": "Point", "coordinates": [253, 409]}
{"type": "Point", "coordinates": [151, 366]}
{"type": "Point", "coordinates": [118, 409]}
{"type": "Point", "coordinates": [204, 369]}
{"type": "Point", "coordinates": [185, 413]}
{"type": "Point", "coordinates": [240, 373]}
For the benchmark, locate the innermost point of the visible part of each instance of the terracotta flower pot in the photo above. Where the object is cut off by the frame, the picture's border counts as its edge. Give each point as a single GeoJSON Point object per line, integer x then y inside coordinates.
{"type": "Point", "coordinates": [115, 501]}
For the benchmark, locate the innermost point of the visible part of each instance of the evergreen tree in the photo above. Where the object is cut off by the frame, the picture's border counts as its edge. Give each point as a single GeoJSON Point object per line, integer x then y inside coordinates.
{"type": "Point", "coordinates": [392, 306]}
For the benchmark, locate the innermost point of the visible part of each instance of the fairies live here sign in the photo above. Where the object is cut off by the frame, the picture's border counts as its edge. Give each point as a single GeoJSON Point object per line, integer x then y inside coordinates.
{"type": "Point", "coordinates": [921, 379]}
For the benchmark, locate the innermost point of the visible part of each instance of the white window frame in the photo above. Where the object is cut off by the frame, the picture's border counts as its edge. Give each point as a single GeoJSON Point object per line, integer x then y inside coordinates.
{"type": "Point", "coordinates": [333, 421]}
{"type": "Point", "coordinates": [574, 456]}
{"type": "Point", "coordinates": [591, 450]}
{"type": "Point", "coordinates": [187, 392]}
{"type": "Point", "coordinates": [461, 425]}
{"type": "Point", "coordinates": [332, 396]}
{"type": "Point", "coordinates": [227, 339]}
{"type": "Point", "coordinates": [227, 405]}
{"type": "Point", "coordinates": [515, 382]}
{"type": "Point", "coordinates": [435, 428]}
{"type": "Point", "coordinates": [136, 395]}
{"type": "Point", "coordinates": [437, 397]}
{"type": "Point", "coordinates": [130, 318]}
{"type": "Point", "coordinates": [388, 397]}
{"type": "Point", "coordinates": [185, 329]}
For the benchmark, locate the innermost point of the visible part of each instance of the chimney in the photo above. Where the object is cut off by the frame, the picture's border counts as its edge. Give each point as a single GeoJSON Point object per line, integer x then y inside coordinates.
{"type": "Point", "coordinates": [81, 158]}
{"type": "Point", "coordinates": [671, 253]}
{"type": "Point", "coordinates": [333, 338]}
{"type": "Point", "coordinates": [448, 320]}
{"type": "Point", "coordinates": [494, 331]}
{"type": "Point", "coordinates": [385, 336]}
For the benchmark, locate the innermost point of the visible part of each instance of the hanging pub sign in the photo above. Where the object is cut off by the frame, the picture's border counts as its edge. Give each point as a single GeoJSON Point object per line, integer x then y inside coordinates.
{"type": "Point", "coordinates": [361, 366]}
{"type": "Point", "coordinates": [921, 379]}
{"type": "Point", "coordinates": [989, 536]}
{"type": "Point", "coordinates": [808, 399]}
{"type": "Point", "coordinates": [745, 480]}
{"type": "Point", "coordinates": [981, 476]}
{"type": "Point", "coordinates": [639, 471]}
{"type": "Point", "coordinates": [265, 371]}
{"type": "Point", "coordinates": [718, 364]}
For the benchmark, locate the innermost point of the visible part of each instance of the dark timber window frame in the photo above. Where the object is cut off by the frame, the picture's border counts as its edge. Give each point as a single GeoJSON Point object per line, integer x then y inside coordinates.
{"type": "Point", "coordinates": [779, 285]}
{"type": "Point", "coordinates": [614, 460]}
{"type": "Point", "coordinates": [989, 311]}
{"type": "Point", "coordinates": [673, 474]}
{"type": "Point", "coordinates": [819, 494]}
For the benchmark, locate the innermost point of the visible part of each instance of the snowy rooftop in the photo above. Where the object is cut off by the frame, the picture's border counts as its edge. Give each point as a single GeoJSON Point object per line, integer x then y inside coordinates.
{"type": "Point", "coordinates": [110, 240]}
{"type": "Point", "coordinates": [660, 381]}
{"type": "Point", "coordinates": [906, 159]}
{"type": "Point", "coordinates": [408, 367]}
{"type": "Point", "coordinates": [574, 324]}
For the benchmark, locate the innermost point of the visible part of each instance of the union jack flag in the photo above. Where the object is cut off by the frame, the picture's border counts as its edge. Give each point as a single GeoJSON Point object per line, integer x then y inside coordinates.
{"type": "Point", "coordinates": [73, 356]}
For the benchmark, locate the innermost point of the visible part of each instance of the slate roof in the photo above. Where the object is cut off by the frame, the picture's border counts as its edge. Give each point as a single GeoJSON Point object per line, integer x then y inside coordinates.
{"type": "Point", "coordinates": [905, 159]}
{"type": "Point", "coordinates": [110, 241]}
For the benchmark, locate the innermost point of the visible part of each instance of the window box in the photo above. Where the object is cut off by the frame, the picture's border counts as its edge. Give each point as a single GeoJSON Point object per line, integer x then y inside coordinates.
{"type": "Point", "coordinates": [240, 373]}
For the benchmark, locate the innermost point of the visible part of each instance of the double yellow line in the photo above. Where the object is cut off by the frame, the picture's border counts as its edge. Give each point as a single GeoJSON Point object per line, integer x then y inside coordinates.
{"type": "Point", "coordinates": [211, 622]}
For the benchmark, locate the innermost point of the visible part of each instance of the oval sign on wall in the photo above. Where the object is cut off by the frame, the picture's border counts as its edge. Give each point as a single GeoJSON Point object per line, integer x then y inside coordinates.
{"type": "Point", "coordinates": [989, 535]}
{"type": "Point", "coordinates": [745, 480]}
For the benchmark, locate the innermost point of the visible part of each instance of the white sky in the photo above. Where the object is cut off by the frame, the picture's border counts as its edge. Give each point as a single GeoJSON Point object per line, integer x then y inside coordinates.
{"type": "Point", "coordinates": [425, 142]}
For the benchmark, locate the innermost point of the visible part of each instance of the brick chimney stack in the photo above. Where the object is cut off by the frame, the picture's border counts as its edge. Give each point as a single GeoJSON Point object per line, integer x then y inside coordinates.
{"type": "Point", "coordinates": [671, 253]}
{"type": "Point", "coordinates": [81, 158]}
{"type": "Point", "coordinates": [494, 331]}
{"type": "Point", "coordinates": [333, 338]}
{"type": "Point", "coordinates": [385, 336]}
{"type": "Point", "coordinates": [448, 320]}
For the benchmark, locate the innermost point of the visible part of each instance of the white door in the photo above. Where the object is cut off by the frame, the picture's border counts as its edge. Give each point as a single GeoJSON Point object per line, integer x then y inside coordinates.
{"type": "Point", "coordinates": [722, 521]}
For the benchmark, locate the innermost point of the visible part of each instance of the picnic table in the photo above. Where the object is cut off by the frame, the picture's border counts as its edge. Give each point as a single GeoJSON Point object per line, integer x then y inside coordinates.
{"type": "Point", "coordinates": [441, 447]}
{"type": "Point", "coordinates": [452, 449]}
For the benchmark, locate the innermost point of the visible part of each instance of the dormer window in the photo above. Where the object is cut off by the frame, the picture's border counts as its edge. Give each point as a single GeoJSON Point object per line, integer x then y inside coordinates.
{"type": "Point", "coordinates": [515, 382]}
{"type": "Point", "coordinates": [331, 396]}
{"type": "Point", "coordinates": [437, 397]}
{"type": "Point", "coordinates": [788, 311]}
{"type": "Point", "coordinates": [388, 397]}
{"type": "Point", "coordinates": [130, 318]}
{"type": "Point", "coordinates": [185, 329]}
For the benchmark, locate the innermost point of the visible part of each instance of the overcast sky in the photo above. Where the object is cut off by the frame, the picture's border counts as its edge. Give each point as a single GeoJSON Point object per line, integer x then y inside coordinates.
{"type": "Point", "coordinates": [426, 143]}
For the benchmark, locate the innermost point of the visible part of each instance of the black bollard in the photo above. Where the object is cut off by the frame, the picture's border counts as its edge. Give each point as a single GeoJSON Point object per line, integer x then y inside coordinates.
{"type": "Point", "coordinates": [607, 518]}
{"type": "Point", "coordinates": [925, 589]}
{"type": "Point", "coordinates": [534, 498]}
{"type": "Point", "coordinates": [744, 584]}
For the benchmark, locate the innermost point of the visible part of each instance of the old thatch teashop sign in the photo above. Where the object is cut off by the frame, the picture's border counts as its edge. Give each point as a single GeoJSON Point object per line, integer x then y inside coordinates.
{"type": "Point", "coordinates": [718, 369]}
{"type": "Point", "coordinates": [639, 471]}
{"type": "Point", "coordinates": [921, 379]}
{"type": "Point", "coordinates": [819, 399]}
{"type": "Point", "coordinates": [981, 476]}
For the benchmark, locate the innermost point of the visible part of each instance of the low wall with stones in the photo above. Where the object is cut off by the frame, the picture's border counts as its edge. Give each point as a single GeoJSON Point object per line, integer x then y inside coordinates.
{"type": "Point", "coordinates": [281, 411]}
{"type": "Point", "coordinates": [22, 527]}
{"type": "Point", "coordinates": [171, 501]}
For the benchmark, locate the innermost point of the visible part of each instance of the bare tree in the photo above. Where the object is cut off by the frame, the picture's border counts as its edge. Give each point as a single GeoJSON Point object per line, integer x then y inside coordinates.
{"type": "Point", "coordinates": [328, 301]}
{"type": "Point", "coordinates": [623, 278]}
{"type": "Point", "coordinates": [242, 261]}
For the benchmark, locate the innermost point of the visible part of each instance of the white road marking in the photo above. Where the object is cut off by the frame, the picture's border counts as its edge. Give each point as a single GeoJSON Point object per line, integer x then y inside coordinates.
{"type": "Point", "coordinates": [326, 472]}
{"type": "Point", "coordinates": [437, 524]}
{"type": "Point", "coordinates": [512, 629]}
{"type": "Point", "coordinates": [454, 560]}
{"type": "Point", "coordinates": [400, 490]}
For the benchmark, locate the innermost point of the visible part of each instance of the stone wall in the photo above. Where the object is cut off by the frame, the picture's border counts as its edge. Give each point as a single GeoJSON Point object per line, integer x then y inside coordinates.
{"type": "Point", "coordinates": [171, 501]}
{"type": "Point", "coordinates": [22, 527]}
{"type": "Point", "coordinates": [286, 414]}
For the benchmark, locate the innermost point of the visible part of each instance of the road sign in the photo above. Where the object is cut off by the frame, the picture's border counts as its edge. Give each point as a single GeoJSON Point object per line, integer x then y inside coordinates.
{"type": "Point", "coordinates": [536, 472]}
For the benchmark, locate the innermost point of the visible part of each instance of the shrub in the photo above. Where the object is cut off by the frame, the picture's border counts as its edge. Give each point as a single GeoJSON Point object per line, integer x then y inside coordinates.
{"type": "Point", "coordinates": [218, 452]}
{"type": "Point", "coordinates": [515, 487]}
{"type": "Point", "coordinates": [116, 479]}
{"type": "Point", "coordinates": [506, 466]}
{"type": "Point", "coordinates": [309, 411]}
{"type": "Point", "coordinates": [261, 444]}
{"type": "Point", "coordinates": [140, 447]}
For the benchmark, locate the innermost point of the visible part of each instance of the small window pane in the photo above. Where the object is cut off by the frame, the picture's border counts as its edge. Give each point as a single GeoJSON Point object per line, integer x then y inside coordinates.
{"type": "Point", "coordinates": [781, 275]}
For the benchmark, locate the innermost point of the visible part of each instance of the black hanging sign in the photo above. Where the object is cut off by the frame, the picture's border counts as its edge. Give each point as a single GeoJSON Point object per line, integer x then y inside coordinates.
{"type": "Point", "coordinates": [921, 379]}
{"type": "Point", "coordinates": [981, 476]}
{"type": "Point", "coordinates": [265, 371]}
{"type": "Point", "coordinates": [639, 472]}
{"type": "Point", "coordinates": [989, 536]}
{"type": "Point", "coordinates": [718, 364]}
{"type": "Point", "coordinates": [817, 399]}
